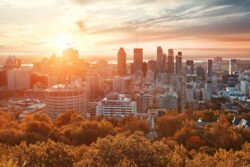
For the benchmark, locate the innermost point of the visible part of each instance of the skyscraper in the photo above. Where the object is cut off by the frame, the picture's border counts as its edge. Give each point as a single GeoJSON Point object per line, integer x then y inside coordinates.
{"type": "Point", "coordinates": [152, 66]}
{"type": "Point", "coordinates": [210, 69]}
{"type": "Point", "coordinates": [159, 65]}
{"type": "Point", "coordinates": [201, 74]}
{"type": "Point", "coordinates": [179, 63]}
{"type": "Point", "coordinates": [121, 62]}
{"type": "Point", "coordinates": [138, 59]}
{"type": "Point", "coordinates": [170, 66]}
{"type": "Point", "coordinates": [189, 67]}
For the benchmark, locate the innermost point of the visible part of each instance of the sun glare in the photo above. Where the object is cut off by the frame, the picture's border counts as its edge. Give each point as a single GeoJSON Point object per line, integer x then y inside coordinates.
{"type": "Point", "coordinates": [62, 41]}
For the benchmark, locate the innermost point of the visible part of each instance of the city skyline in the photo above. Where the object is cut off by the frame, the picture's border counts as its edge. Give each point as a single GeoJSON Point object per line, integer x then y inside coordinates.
{"type": "Point", "coordinates": [26, 29]}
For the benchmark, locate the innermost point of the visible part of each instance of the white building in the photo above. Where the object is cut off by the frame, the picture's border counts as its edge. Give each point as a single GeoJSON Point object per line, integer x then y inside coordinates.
{"type": "Point", "coordinates": [116, 105]}
{"type": "Point", "coordinates": [168, 100]}
{"type": "Point", "coordinates": [61, 98]}
{"type": "Point", "coordinates": [143, 102]}
{"type": "Point", "coordinates": [18, 79]}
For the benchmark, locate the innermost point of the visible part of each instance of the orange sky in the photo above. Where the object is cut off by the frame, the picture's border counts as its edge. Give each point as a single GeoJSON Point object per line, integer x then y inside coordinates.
{"type": "Point", "coordinates": [44, 27]}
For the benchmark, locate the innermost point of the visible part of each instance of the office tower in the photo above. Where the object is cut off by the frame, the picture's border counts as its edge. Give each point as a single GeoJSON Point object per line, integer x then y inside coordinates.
{"type": "Point", "coordinates": [178, 68]}
{"type": "Point", "coordinates": [190, 93]}
{"type": "Point", "coordinates": [3, 78]}
{"type": "Point", "coordinates": [143, 102]}
{"type": "Point", "coordinates": [232, 66]}
{"type": "Point", "coordinates": [170, 66]}
{"type": "Point", "coordinates": [144, 68]}
{"type": "Point", "coordinates": [152, 65]}
{"type": "Point", "coordinates": [200, 71]}
{"type": "Point", "coordinates": [244, 87]}
{"type": "Point", "coordinates": [41, 79]}
{"type": "Point", "coordinates": [11, 63]}
{"type": "Point", "coordinates": [18, 79]}
{"type": "Point", "coordinates": [210, 70]}
{"type": "Point", "coordinates": [61, 98]}
{"type": "Point", "coordinates": [180, 87]}
{"type": "Point", "coordinates": [150, 76]}
{"type": "Point", "coordinates": [190, 67]}
{"type": "Point", "coordinates": [116, 105]}
{"type": "Point", "coordinates": [93, 89]}
{"type": "Point", "coordinates": [164, 62]}
{"type": "Point", "coordinates": [121, 62]}
{"type": "Point", "coordinates": [138, 60]}
{"type": "Point", "coordinates": [160, 60]}
{"type": "Point", "coordinates": [70, 55]}
{"type": "Point", "coordinates": [121, 84]}
{"type": "Point", "coordinates": [208, 90]}
{"type": "Point", "coordinates": [168, 100]}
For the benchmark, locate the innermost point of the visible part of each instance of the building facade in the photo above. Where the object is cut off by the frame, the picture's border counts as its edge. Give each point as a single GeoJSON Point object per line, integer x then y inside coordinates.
{"type": "Point", "coordinates": [63, 98]}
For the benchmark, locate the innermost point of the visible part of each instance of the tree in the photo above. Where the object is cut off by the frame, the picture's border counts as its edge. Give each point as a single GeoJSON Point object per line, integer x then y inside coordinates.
{"type": "Point", "coordinates": [168, 125]}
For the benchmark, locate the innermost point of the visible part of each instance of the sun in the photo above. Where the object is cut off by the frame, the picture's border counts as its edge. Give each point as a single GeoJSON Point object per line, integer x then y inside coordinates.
{"type": "Point", "coordinates": [62, 41]}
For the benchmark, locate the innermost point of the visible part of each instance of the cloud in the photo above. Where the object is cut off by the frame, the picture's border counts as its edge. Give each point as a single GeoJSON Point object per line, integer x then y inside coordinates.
{"type": "Point", "coordinates": [81, 25]}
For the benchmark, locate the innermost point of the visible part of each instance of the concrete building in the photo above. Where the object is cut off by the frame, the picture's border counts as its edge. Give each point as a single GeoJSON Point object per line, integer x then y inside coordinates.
{"type": "Point", "coordinates": [210, 70]}
{"type": "Point", "coordinates": [121, 62]}
{"type": "Point", "coordinates": [190, 67]}
{"type": "Point", "coordinates": [170, 66]}
{"type": "Point", "coordinates": [138, 59]}
{"type": "Point", "coordinates": [143, 102]}
{"type": "Point", "coordinates": [152, 66]}
{"type": "Point", "coordinates": [178, 64]}
{"type": "Point", "coordinates": [207, 91]}
{"type": "Point", "coordinates": [116, 105]}
{"type": "Point", "coordinates": [93, 85]}
{"type": "Point", "coordinates": [168, 100]}
{"type": "Point", "coordinates": [244, 87]}
{"type": "Point", "coordinates": [62, 98]}
{"type": "Point", "coordinates": [19, 79]}
{"type": "Point", "coordinates": [160, 60]}
{"type": "Point", "coordinates": [121, 84]}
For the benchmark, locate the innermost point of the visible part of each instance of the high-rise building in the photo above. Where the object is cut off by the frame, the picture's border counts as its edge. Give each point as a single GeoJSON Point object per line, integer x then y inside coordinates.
{"type": "Point", "coordinates": [93, 87]}
{"type": "Point", "coordinates": [11, 63]}
{"type": "Point", "coordinates": [152, 66]}
{"type": "Point", "coordinates": [37, 78]}
{"type": "Point", "coordinates": [143, 102]}
{"type": "Point", "coordinates": [244, 87]}
{"type": "Point", "coordinates": [121, 84]}
{"type": "Point", "coordinates": [116, 105]}
{"type": "Point", "coordinates": [210, 69]}
{"type": "Point", "coordinates": [160, 60]}
{"type": "Point", "coordinates": [170, 66]}
{"type": "Point", "coordinates": [164, 62]}
{"type": "Point", "coordinates": [138, 59]}
{"type": "Point", "coordinates": [168, 100]}
{"type": "Point", "coordinates": [189, 67]}
{"type": "Point", "coordinates": [121, 62]}
{"type": "Point", "coordinates": [201, 75]}
{"type": "Point", "coordinates": [207, 91]}
{"type": "Point", "coordinates": [233, 66]}
{"type": "Point", "coordinates": [61, 98]}
{"type": "Point", "coordinates": [18, 79]}
{"type": "Point", "coordinates": [178, 68]}
{"type": "Point", "coordinates": [3, 78]}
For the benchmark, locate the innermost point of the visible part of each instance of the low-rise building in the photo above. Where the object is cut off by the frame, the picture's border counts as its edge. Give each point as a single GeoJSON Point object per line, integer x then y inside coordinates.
{"type": "Point", "coordinates": [116, 105]}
